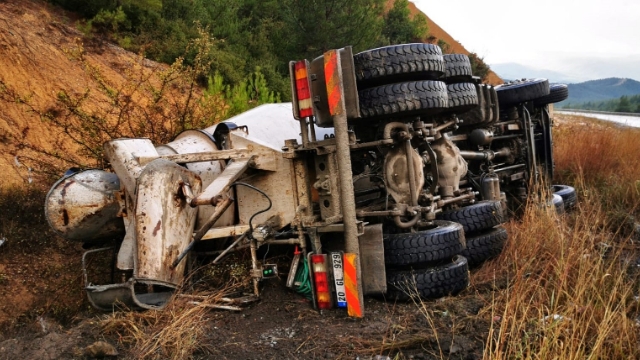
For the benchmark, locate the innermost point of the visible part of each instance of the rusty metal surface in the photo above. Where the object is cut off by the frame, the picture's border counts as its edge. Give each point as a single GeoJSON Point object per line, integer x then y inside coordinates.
{"type": "Point", "coordinates": [164, 221]}
{"type": "Point", "coordinates": [451, 166]}
{"type": "Point", "coordinates": [122, 154]}
{"type": "Point", "coordinates": [83, 206]}
{"type": "Point", "coordinates": [327, 185]}
{"type": "Point", "coordinates": [374, 276]}
{"type": "Point", "coordinates": [396, 174]}
{"type": "Point", "coordinates": [225, 232]}
{"type": "Point", "coordinates": [200, 142]}
{"type": "Point", "coordinates": [345, 176]}
{"type": "Point", "coordinates": [277, 182]}
{"type": "Point", "coordinates": [221, 185]}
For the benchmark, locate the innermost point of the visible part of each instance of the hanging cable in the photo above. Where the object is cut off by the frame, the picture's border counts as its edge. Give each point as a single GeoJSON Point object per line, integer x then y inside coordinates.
{"type": "Point", "coordinates": [259, 212]}
{"type": "Point", "coordinates": [302, 280]}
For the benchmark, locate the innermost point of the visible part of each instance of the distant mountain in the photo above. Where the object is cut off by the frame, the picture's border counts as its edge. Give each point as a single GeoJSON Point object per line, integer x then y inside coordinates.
{"type": "Point", "coordinates": [603, 89]}
{"type": "Point", "coordinates": [512, 71]}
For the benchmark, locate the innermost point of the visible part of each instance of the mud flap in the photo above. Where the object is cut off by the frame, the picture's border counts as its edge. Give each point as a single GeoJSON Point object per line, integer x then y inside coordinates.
{"type": "Point", "coordinates": [374, 278]}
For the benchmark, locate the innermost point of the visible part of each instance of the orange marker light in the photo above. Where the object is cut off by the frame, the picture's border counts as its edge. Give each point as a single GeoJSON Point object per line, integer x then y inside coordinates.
{"type": "Point", "coordinates": [302, 89]}
{"type": "Point", "coordinates": [321, 281]}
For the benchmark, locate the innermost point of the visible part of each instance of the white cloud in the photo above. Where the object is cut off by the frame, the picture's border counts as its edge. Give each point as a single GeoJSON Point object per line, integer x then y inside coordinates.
{"type": "Point", "coordinates": [543, 33]}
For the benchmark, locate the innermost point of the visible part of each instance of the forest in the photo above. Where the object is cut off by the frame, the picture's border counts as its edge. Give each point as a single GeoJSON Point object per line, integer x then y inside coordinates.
{"type": "Point", "coordinates": [252, 39]}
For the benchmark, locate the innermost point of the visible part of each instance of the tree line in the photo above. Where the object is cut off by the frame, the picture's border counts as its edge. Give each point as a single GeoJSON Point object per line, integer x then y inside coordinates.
{"type": "Point", "coordinates": [623, 104]}
{"type": "Point", "coordinates": [250, 36]}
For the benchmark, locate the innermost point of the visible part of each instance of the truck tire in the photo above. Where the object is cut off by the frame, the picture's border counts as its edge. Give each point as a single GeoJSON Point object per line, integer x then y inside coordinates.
{"type": "Point", "coordinates": [462, 97]}
{"type": "Point", "coordinates": [428, 283]}
{"type": "Point", "coordinates": [558, 204]}
{"type": "Point", "coordinates": [444, 241]}
{"type": "Point", "coordinates": [568, 195]}
{"type": "Point", "coordinates": [457, 68]}
{"type": "Point", "coordinates": [476, 217]}
{"type": "Point", "coordinates": [520, 91]}
{"type": "Point", "coordinates": [557, 93]}
{"type": "Point", "coordinates": [397, 63]}
{"type": "Point", "coordinates": [484, 246]}
{"type": "Point", "coordinates": [405, 98]}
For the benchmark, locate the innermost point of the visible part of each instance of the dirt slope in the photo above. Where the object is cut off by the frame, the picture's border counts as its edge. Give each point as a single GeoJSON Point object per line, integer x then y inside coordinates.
{"type": "Point", "coordinates": [37, 48]}
{"type": "Point", "coordinates": [456, 47]}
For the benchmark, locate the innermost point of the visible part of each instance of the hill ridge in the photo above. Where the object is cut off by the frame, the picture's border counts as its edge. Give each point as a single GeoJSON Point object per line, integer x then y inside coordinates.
{"type": "Point", "coordinates": [602, 89]}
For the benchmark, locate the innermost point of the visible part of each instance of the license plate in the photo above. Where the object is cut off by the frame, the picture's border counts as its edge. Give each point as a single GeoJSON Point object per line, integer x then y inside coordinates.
{"type": "Point", "coordinates": [338, 278]}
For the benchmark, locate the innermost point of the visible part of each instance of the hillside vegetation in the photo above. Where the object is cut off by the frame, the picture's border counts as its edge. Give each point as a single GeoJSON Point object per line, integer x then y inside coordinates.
{"type": "Point", "coordinates": [600, 90]}
{"type": "Point", "coordinates": [247, 34]}
{"type": "Point", "coordinates": [624, 104]}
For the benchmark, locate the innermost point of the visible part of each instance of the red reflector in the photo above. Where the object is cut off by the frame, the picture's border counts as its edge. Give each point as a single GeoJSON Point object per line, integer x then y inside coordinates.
{"type": "Point", "coordinates": [321, 281]}
{"type": "Point", "coordinates": [303, 93]}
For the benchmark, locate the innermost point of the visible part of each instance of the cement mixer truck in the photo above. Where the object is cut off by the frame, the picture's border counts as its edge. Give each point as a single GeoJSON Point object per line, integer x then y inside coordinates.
{"type": "Point", "coordinates": [390, 169]}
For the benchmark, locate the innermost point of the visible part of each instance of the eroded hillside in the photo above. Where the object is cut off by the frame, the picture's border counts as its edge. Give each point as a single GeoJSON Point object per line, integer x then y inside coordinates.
{"type": "Point", "coordinates": [39, 57]}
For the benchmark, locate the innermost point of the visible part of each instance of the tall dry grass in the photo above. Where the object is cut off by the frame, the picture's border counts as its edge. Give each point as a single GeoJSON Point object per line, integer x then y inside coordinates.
{"type": "Point", "coordinates": [602, 160]}
{"type": "Point", "coordinates": [177, 332]}
{"type": "Point", "coordinates": [572, 281]}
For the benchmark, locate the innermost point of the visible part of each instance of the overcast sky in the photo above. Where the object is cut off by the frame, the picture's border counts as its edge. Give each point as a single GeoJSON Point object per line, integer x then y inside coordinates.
{"type": "Point", "coordinates": [570, 36]}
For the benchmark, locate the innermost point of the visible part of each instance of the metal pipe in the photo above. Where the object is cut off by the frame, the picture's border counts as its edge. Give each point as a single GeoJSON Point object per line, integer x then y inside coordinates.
{"type": "Point", "coordinates": [474, 155]}
{"type": "Point", "coordinates": [405, 225]}
{"type": "Point", "coordinates": [505, 137]}
{"type": "Point", "coordinates": [378, 213]}
{"type": "Point", "coordinates": [220, 209]}
{"type": "Point", "coordinates": [393, 125]}
{"type": "Point", "coordinates": [510, 167]}
{"type": "Point", "coordinates": [484, 155]}
{"type": "Point", "coordinates": [254, 265]}
{"type": "Point", "coordinates": [444, 126]}
{"type": "Point", "coordinates": [412, 173]}
{"type": "Point", "coordinates": [371, 144]}
{"type": "Point", "coordinates": [442, 203]}
{"type": "Point", "coordinates": [312, 127]}
{"type": "Point", "coordinates": [225, 251]}
{"type": "Point", "coordinates": [304, 131]}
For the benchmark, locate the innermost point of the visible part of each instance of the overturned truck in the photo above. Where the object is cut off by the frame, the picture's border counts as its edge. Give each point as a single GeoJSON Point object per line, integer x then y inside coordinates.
{"type": "Point", "coordinates": [390, 173]}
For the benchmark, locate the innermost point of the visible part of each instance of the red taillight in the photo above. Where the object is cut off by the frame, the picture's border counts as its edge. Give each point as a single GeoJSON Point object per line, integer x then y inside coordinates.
{"type": "Point", "coordinates": [302, 89]}
{"type": "Point", "coordinates": [321, 281]}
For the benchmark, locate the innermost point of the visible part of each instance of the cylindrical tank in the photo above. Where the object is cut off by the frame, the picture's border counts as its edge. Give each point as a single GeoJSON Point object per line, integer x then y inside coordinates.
{"type": "Point", "coordinates": [198, 141]}
{"type": "Point", "coordinates": [490, 187]}
{"type": "Point", "coordinates": [82, 206]}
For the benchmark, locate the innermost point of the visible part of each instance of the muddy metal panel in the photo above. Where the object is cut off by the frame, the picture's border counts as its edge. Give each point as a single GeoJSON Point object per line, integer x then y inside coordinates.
{"type": "Point", "coordinates": [122, 154]}
{"type": "Point", "coordinates": [272, 124]}
{"type": "Point", "coordinates": [164, 221]}
{"type": "Point", "coordinates": [198, 141]}
{"type": "Point", "coordinates": [83, 206]}
{"type": "Point", "coordinates": [278, 184]}
{"type": "Point", "coordinates": [374, 276]}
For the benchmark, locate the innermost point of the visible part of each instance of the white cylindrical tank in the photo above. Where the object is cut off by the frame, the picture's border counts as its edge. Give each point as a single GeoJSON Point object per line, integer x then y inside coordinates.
{"type": "Point", "coordinates": [82, 206]}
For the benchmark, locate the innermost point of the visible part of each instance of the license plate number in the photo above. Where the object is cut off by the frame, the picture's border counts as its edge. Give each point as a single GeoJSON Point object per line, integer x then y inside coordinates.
{"type": "Point", "coordinates": [338, 277]}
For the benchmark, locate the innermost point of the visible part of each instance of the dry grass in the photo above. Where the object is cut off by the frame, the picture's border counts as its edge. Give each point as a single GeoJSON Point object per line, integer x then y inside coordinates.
{"type": "Point", "coordinates": [177, 332]}
{"type": "Point", "coordinates": [601, 160]}
{"type": "Point", "coordinates": [570, 290]}
{"type": "Point", "coordinates": [572, 281]}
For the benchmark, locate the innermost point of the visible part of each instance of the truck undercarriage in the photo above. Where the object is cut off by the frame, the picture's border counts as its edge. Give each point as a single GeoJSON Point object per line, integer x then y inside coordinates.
{"type": "Point", "coordinates": [395, 163]}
